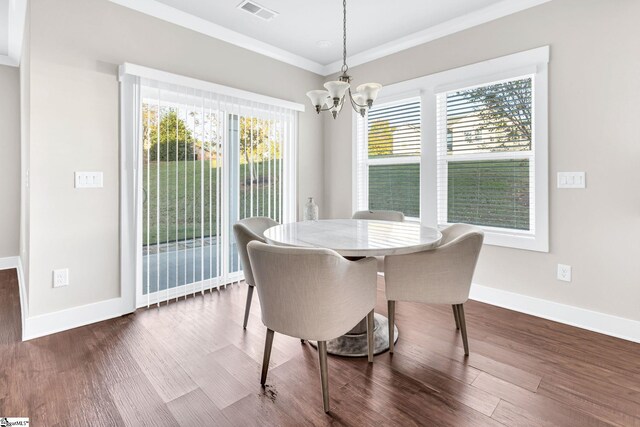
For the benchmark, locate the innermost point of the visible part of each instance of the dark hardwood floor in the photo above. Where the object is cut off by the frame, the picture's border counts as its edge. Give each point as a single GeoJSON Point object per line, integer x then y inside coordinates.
{"type": "Point", "coordinates": [191, 364]}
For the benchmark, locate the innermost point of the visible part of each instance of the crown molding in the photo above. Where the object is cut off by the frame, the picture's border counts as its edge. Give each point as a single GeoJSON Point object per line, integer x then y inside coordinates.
{"type": "Point", "coordinates": [15, 27]}
{"type": "Point", "coordinates": [487, 14]}
{"type": "Point", "coordinates": [170, 14]}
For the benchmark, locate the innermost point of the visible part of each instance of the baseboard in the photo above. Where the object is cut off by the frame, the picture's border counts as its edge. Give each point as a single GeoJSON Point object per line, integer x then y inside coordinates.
{"type": "Point", "coordinates": [607, 324]}
{"type": "Point", "coordinates": [15, 262]}
{"type": "Point", "coordinates": [58, 321]}
{"type": "Point", "coordinates": [9, 262]}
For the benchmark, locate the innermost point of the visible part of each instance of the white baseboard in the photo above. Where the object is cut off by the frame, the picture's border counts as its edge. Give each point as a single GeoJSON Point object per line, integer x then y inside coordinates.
{"type": "Point", "coordinates": [15, 262]}
{"type": "Point", "coordinates": [9, 262]}
{"type": "Point", "coordinates": [607, 324]}
{"type": "Point", "coordinates": [58, 321]}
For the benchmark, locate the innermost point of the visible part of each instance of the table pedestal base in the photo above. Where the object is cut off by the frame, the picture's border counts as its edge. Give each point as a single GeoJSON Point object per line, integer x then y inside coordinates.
{"type": "Point", "coordinates": [354, 342]}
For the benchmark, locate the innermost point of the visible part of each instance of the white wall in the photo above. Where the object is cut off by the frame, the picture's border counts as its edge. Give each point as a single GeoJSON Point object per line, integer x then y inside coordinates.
{"type": "Point", "coordinates": [76, 46]}
{"type": "Point", "coordinates": [594, 84]}
{"type": "Point", "coordinates": [9, 161]}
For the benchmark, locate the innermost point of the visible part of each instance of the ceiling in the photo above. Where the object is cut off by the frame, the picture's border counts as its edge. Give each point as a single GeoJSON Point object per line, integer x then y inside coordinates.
{"type": "Point", "coordinates": [375, 28]}
{"type": "Point", "coordinates": [4, 27]}
{"type": "Point", "coordinates": [301, 24]}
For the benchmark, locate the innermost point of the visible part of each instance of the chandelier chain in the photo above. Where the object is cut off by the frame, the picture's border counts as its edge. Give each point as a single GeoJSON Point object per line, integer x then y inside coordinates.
{"type": "Point", "coordinates": [345, 67]}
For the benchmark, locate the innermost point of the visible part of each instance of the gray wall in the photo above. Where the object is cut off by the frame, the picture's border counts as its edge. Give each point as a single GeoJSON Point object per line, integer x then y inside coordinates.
{"type": "Point", "coordinates": [76, 46]}
{"type": "Point", "coordinates": [9, 161]}
{"type": "Point", "coordinates": [594, 84]}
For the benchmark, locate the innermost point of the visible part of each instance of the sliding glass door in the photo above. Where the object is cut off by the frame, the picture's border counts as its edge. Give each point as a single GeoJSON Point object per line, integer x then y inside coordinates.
{"type": "Point", "coordinates": [206, 162]}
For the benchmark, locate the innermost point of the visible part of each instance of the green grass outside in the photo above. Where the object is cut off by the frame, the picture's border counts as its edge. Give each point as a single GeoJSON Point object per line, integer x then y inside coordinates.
{"type": "Point", "coordinates": [492, 193]}
{"type": "Point", "coordinates": [395, 188]}
{"type": "Point", "coordinates": [178, 214]}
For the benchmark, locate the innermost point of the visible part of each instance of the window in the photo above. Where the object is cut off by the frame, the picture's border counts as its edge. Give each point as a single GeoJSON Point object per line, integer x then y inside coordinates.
{"type": "Point", "coordinates": [478, 154]}
{"type": "Point", "coordinates": [207, 156]}
{"type": "Point", "coordinates": [485, 162]}
{"type": "Point", "coordinates": [392, 159]}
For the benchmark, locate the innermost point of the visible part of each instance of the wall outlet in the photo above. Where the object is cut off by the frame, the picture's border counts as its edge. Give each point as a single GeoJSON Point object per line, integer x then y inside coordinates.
{"type": "Point", "coordinates": [60, 277]}
{"type": "Point", "coordinates": [564, 272]}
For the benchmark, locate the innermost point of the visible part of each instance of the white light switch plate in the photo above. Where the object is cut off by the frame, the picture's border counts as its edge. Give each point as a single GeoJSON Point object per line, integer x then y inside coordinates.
{"type": "Point", "coordinates": [88, 180]}
{"type": "Point", "coordinates": [572, 180]}
{"type": "Point", "coordinates": [60, 277]}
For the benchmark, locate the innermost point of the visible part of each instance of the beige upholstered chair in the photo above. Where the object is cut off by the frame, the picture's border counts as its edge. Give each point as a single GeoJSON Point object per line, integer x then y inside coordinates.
{"type": "Point", "coordinates": [439, 276]}
{"type": "Point", "coordinates": [312, 294]}
{"type": "Point", "coordinates": [380, 216]}
{"type": "Point", "coordinates": [245, 231]}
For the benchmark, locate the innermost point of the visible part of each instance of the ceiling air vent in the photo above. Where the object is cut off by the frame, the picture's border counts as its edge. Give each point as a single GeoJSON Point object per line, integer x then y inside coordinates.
{"type": "Point", "coordinates": [257, 10]}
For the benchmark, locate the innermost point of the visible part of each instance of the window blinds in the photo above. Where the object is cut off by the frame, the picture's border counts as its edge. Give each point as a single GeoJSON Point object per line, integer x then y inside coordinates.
{"type": "Point", "coordinates": [393, 157]}
{"type": "Point", "coordinates": [207, 160]}
{"type": "Point", "coordinates": [485, 155]}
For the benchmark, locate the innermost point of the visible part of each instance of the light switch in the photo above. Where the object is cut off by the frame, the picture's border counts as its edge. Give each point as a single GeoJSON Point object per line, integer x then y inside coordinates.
{"type": "Point", "coordinates": [572, 180]}
{"type": "Point", "coordinates": [88, 180]}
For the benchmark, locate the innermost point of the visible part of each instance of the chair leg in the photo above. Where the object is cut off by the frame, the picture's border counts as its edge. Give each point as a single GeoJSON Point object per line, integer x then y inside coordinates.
{"type": "Point", "coordinates": [267, 355]}
{"type": "Point", "coordinates": [463, 329]}
{"type": "Point", "coordinates": [391, 310]}
{"type": "Point", "coordinates": [370, 327]}
{"type": "Point", "coordinates": [456, 316]}
{"type": "Point", "coordinates": [248, 306]}
{"type": "Point", "coordinates": [324, 374]}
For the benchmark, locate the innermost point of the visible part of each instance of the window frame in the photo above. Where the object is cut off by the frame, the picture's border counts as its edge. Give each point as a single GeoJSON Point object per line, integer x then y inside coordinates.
{"type": "Point", "coordinates": [532, 63]}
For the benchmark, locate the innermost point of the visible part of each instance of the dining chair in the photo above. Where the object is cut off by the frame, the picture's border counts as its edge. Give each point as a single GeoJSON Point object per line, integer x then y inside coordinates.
{"type": "Point", "coordinates": [438, 276]}
{"type": "Point", "coordinates": [245, 231]}
{"type": "Point", "coordinates": [312, 294]}
{"type": "Point", "coordinates": [379, 216]}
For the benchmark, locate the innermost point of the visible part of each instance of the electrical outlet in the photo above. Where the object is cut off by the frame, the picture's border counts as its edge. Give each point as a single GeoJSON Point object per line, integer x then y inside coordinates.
{"type": "Point", "coordinates": [60, 277]}
{"type": "Point", "coordinates": [564, 272]}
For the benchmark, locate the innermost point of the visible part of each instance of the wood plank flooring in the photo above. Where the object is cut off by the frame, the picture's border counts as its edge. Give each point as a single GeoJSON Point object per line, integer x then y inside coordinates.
{"type": "Point", "coordinates": [190, 363]}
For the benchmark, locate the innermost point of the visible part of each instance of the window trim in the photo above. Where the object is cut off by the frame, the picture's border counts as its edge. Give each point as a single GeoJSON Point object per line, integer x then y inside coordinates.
{"type": "Point", "coordinates": [532, 62]}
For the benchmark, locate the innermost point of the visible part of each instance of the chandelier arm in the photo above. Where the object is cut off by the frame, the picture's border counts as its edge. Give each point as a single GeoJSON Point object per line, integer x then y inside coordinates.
{"type": "Point", "coordinates": [354, 103]}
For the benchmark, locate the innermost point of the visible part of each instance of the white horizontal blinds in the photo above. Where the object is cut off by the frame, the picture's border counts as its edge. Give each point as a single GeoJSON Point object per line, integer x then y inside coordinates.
{"type": "Point", "coordinates": [486, 155]}
{"type": "Point", "coordinates": [393, 157]}
{"type": "Point", "coordinates": [208, 160]}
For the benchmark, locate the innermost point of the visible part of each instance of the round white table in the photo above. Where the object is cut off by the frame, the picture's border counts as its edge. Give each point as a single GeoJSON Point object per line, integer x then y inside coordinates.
{"type": "Point", "coordinates": [354, 238]}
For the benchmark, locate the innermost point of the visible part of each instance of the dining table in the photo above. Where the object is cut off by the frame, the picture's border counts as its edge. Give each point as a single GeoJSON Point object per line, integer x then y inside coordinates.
{"type": "Point", "coordinates": [356, 239]}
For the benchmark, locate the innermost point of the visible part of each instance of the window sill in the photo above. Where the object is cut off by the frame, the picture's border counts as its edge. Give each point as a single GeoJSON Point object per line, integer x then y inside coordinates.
{"type": "Point", "coordinates": [512, 239]}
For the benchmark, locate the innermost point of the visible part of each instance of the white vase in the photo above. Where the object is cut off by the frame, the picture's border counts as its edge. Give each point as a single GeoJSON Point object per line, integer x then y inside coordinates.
{"type": "Point", "coordinates": [310, 210]}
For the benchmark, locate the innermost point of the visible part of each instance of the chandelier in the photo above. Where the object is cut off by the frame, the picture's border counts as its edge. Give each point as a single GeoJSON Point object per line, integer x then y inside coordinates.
{"type": "Point", "coordinates": [333, 98]}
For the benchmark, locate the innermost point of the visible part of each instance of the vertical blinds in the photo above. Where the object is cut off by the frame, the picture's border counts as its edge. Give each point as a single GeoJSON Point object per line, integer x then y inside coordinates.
{"type": "Point", "coordinates": [485, 155]}
{"type": "Point", "coordinates": [393, 157]}
{"type": "Point", "coordinates": [208, 160]}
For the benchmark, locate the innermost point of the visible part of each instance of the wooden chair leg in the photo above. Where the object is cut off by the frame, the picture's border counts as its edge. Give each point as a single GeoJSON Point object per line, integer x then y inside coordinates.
{"type": "Point", "coordinates": [370, 342]}
{"type": "Point", "coordinates": [324, 374]}
{"type": "Point", "coordinates": [267, 355]}
{"type": "Point", "coordinates": [463, 329]}
{"type": "Point", "coordinates": [247, 306]}
{"type": "Point", "coordinates": [456, 316]}
{"type": "Point", "coordinates": [391, 310]}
